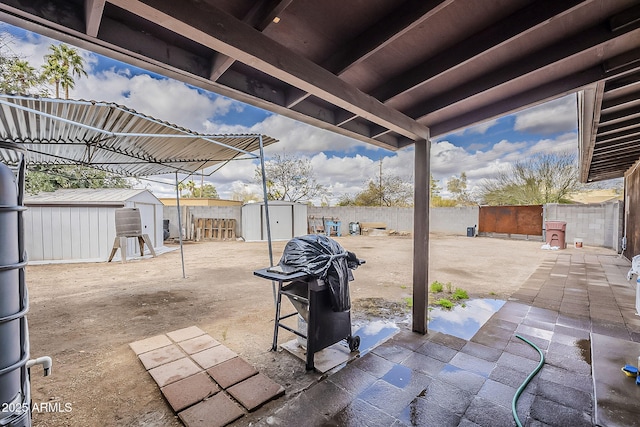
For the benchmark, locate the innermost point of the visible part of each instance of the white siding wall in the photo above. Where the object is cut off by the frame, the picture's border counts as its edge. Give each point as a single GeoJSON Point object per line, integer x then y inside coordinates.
{"type": "Point", "coordinates": [65, 233]}
{"type": "Point", "coordinates": [85, 233]}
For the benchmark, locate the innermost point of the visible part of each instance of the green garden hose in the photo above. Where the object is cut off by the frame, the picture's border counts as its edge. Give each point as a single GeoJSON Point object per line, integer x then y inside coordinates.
{"type": "Point", "coordinates": [526, 382]}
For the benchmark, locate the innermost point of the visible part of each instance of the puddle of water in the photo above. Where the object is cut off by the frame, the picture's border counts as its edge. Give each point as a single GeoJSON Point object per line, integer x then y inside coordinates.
{"type": "Point", "coordinates": [585, 350]}
{"type": "Point", "coordinates": [399, 376]}
{"type": "Point", "coordinates": [374, 333]}
{"type": "Point", "coordinates": [463, 322]}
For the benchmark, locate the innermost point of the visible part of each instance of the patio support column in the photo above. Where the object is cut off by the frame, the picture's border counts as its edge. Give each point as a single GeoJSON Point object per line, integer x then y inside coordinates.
{"type": "Point", "coordinates": [422, 186]}
{"type": "Point", "coordinates": [266, 212]}
{"type": "Point", "coordinates": [184, 275]}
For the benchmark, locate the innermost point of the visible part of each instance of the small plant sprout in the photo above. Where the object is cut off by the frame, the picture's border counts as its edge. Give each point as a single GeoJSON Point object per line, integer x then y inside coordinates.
{"type": "Point", "coordinates": [436, 287]}
{"type": "Point", "coordinates": [445, 303]}
{"type": "Point", "coordinates": [449, 287]}
{"type": "Point", "coordinates": [459, 294]}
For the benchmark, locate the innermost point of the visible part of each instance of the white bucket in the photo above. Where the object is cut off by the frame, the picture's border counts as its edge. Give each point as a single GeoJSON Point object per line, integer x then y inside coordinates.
{"type": "Point", "coordinates": [577, 243]}
{"type": "Point", "coordinates": [302, 328]}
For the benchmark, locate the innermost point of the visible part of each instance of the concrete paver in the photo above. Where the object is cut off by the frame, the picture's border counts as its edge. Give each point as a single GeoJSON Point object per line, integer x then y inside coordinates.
{"type": "Point", "coordinates": [217, 411]}
{"type": "Point", "coordinates": [174, 371]}
{"type": "Point", "coordinates": [189, 391]}
{"type": "Point", "coordinates": [213, 356]}
{"type": "Point", "coordinates": [185, 333]}
{"type": "Point", "coordinates": [160, 356]}
{"type": "Point", "coordinates": [255, 391]}
{"type": "Point", "coordinates": [198, 344]}
{"type": "Point", "coordinates": [231, 372]}
{"type": "Point", "coordinates": [149, 344]}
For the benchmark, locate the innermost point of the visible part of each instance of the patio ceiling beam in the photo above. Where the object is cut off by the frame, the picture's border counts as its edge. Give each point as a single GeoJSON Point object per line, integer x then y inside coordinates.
{"type": "Point", "coordinates": [236, 39]}
{"type": "Point", "coordinates": [615, 151]}
{"type": "Point", "coordinates": [590, 39]}
{"type": "Point", "coordinates": [259, 17]}
{"type": "Point", "coordinates": [612, 137]}
{"type": "Point", "coordinates": [93, 16]}
{"type": "Point", "coordinates": [409, 15]}
{"type": "Point", "coordinates": [542, 93]}
{"type": "Point", "coordinates": [490, 38]}
{"type": "Point", "coordinates": [620, 115]}
{"type": "Point", "coordinates": [402, 20]}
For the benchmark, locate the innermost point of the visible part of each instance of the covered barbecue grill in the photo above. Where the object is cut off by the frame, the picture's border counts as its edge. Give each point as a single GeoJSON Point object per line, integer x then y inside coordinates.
{"type": "Point", "coordinates": [314, 273]}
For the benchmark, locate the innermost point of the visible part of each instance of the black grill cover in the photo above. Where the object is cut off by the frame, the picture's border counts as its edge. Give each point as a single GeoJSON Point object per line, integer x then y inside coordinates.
{"type": "Point", "coordinates": [323, 258]}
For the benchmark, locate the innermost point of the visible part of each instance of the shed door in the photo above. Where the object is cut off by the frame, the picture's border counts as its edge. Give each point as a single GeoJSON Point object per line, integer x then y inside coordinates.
{"type": "Point", "coordinates": [281, 222]}
{"type": "Point", "coordinates": [148, 217]}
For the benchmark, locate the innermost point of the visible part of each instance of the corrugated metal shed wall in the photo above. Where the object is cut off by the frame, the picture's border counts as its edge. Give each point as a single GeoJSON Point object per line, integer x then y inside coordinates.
{"type": "Point", "coordinates": [288, 220]}
{"type": "Point", "coordinates": [69, 229]}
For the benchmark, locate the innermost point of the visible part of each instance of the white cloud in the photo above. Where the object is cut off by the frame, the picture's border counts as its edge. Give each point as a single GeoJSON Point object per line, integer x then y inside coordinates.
{"type": "Point", "coordinates": [556, 116]}
{"type": "Point", "coordinates": [164, 99]}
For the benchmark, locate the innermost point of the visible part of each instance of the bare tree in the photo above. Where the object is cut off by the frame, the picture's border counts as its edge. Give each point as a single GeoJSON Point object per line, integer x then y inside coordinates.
{"type": "Point", "coordinates": [544, 178]}
{"type": "Point", "coordinates": [290, 178]}
{"type": "Point", "coordinates": [458, 187]}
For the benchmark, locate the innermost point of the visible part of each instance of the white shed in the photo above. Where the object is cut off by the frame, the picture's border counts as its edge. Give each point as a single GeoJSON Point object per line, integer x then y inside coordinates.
{"type": "Point", "coordinates": [79, 224]}
{"type": "Point", "coordinates": [287, 220]}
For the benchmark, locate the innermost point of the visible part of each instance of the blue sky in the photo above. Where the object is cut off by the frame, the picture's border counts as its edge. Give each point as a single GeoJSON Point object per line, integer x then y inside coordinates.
{"type": "Point", "coordinates": [342, 164]}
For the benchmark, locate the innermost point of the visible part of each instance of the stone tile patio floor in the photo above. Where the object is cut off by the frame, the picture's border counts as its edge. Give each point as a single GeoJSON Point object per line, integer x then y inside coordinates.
{"type": "Point", "coordinates": [206, 383]}
{"type": "Point", "coordinates": [441, 380]}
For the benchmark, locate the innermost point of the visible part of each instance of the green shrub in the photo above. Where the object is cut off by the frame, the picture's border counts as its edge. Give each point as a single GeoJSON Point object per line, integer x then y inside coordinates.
{"type": "Point", "coordinates": [445, 303]}
{"type": "Point", "coordinates": [436, 287]}
{"type": "Point", "coordinates": [459, 294]}
{"type": "Point", "coordinates": [408, 301]}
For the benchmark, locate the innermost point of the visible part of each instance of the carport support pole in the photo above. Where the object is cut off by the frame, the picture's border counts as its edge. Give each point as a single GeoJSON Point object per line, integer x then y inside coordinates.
{"type": "Point", "coordinates": [184, 276]}
{"type": "Point", "coordinates": [266, 212]}
{"type": "Point", "coordinates": [422, 189]}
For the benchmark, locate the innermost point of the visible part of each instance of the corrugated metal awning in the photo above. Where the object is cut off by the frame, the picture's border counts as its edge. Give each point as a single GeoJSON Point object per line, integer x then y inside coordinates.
{"type": "Point", "coordinates": [112, 137]}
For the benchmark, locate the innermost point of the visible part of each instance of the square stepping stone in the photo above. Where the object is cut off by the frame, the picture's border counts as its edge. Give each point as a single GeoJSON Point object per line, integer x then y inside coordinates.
{"type": "Point", "coordinates": [185, 333]}
{"type": "Point", "coordinates": [163, 355]}
{"type": "Point", "coordinates": [197, 344]}
{"type": "Point", "coordinates": [256, 391]}
{"type": "Point", "coordinates": [213, 356]}
{"type": "Point", "coordinates": [231, 372]}
{"type": "Point", "coordinates": [174, 371]}
{"type": "Point", "coordinates": [189, 391]}
{"type": "Point", "coordinates": [149, 344]}
{"type": "Point", "coordinates": [217, 411]}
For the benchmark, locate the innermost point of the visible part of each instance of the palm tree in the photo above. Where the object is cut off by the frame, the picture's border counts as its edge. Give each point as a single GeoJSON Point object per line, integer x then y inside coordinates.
{"type": "Point", "coordinates": [22, 77]}
{"type": "Point", "coordinates": [63, 63]}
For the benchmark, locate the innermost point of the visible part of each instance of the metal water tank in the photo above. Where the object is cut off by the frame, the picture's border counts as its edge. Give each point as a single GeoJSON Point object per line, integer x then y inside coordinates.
{"type": "Point", "coordinates": [14, 351]}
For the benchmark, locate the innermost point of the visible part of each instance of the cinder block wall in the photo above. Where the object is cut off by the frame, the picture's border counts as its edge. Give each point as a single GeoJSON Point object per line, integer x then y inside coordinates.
{"type": "Point", "coordinates": [441, 220]}
{"type": "Point", "coordinates": [596, 224]}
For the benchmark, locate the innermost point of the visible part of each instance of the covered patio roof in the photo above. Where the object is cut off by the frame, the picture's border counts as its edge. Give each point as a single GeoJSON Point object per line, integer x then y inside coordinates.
{"type": "Point", "coordinates": [112, 137]}
{"type": "Point", "coordinates": [385, 72]}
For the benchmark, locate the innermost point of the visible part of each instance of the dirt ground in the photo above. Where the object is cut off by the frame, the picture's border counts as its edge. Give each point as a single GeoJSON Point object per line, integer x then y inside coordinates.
{"type": "Point", "coordinates": [85, 315]}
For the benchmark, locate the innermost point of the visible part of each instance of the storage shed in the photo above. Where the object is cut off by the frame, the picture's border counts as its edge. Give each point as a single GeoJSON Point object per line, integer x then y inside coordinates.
{"type": "Point", "coordinates": [287, 219]}
{"type": "Point", "coordinates": [79, 224]}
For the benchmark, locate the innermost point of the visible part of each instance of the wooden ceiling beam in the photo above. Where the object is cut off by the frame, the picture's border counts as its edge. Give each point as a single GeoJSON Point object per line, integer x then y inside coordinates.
{"type": "Point", "coordinates": [490, 38]}
{"type": "Point", "coordinates": [222, 32]}
{"type": "Point", "coordinates": [409, 15]}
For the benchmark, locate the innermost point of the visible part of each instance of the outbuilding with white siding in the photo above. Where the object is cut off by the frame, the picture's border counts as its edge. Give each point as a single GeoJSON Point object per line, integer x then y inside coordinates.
{"type": "Point", "coordinates": [287, 220]}
{"type": "Point", "coordinates": [79, 224]}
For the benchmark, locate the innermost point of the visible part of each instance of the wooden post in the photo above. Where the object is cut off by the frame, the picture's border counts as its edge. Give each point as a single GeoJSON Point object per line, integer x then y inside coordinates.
{"type": "Point", "coordinates": [422, 175]}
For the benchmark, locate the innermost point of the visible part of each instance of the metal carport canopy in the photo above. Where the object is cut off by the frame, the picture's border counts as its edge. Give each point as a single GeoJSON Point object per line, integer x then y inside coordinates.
{"type": "Point", "coordinates": [116, 139]}
{"type": "Point", "coordinates": [112, 138]}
